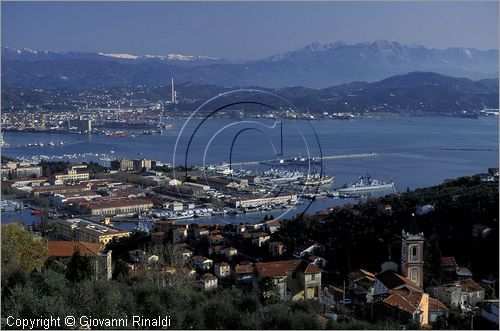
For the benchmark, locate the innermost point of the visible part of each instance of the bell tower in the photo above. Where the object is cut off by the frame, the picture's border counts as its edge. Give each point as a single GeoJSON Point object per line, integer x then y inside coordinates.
{"type": "Point", "coordinates": [412, 255]}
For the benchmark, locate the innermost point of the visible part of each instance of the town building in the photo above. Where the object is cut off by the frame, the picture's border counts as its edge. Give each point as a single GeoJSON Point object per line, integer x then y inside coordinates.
{"type": "Point", "coordinates": [141, 164]}
{"type": "Point", "coordinates": [215, 239]}
{"type": "Point", "coordinates": [179, 235]}
{"type": "Point", "coordinates": [272, 226]}
{"type": "Point", "coordinates": [276, 248]}
{"type": "Point", "coordinates": [101, 259]}
{"type": "Point", "coordinates": [332, 295]}
{"type": "Point", "coordinates": [244, 274]}
{"type": "Point", "coordinates": [74, 174]}
{"type": "Point", "coordinates": [209, 282]}
{"type": "Point", "coordinates": [107, 206]}
{"type": "Point", "coordinates": [32, 182]}
{"type": "Point", "coordinates": [260, 238]}
{"type": "Point", "coordinates": [294, 279]}
{"type": "Point", "coordinates": [404, 305]}
{"type": "Point", "coordinates": [158, 238]}
{"type": "Point", "coordinates": [60, 189]}
{"type": "Point", "coordinates": [81, 125]}
{"type": "Point", "coordinates": [77, 229]}
{"type": "Point", "coordinates": [230, 252]}
{"type": "Point", "coordinates": [201, 232]}
{"type": "Point", "coordinates": [21, 170]}
{"type": "Point", "coordinates": [361, 283]}
{"type": "Point", "coordinates": [195, 188]}
{"type": "Point", "coordinates": [201, 263]}
{"type": "Point", "coordinates": [465, 293]}
{"type": "Point", "coordinates": [185, 254]}
{"type": "Point", "coordinates": [122, 165]}
{"type": "Point", "coordinates": [222, 270]}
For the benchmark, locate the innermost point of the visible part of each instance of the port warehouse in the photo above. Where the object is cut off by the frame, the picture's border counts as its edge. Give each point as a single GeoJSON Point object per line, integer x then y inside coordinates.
{"type": "Point", "coordinates": [82, 230]}
{"type": "Point", "coordinates": [115, 205]}
{"type": "Point", "coordinates": [93, 204]}
{"type": "Point", "coordinates": [74, 191]}
{"type": "Point", "coordinates": [258, 201]}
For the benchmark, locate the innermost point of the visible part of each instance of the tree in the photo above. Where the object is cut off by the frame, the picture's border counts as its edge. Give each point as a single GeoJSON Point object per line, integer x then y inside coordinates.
{"type": "Point", "coordinates": [22, 248]}
{"type": "Point", "coordinates": [269, 291]}
{"type": "Point", "coordinates": [79, 268]}
{"type": "Point", "coordinates": [121, 270]}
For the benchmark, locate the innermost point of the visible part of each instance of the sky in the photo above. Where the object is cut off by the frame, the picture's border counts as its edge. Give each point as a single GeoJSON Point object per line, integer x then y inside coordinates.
{"type": "Point", "coordinates": [242, 30]}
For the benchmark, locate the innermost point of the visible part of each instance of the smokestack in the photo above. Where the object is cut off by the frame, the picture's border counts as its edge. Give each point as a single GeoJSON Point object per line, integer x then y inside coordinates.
{"type": "Point", "coordinates": [173, 91]}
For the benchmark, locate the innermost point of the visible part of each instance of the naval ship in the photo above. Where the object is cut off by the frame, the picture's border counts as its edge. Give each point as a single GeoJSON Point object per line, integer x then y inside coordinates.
{"type": "Point", "coordinates": [370, 184]}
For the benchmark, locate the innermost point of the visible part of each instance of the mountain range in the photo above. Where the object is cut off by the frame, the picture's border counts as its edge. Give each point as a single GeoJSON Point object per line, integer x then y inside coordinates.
{"type": "Point", "coordinates": [415, 93]}
{"type": "Point", "coordinates": [314, 66]}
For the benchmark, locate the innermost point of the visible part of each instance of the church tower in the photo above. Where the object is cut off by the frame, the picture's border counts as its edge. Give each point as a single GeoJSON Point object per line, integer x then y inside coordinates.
{"type": "Point", "coordinates": [412, 255]}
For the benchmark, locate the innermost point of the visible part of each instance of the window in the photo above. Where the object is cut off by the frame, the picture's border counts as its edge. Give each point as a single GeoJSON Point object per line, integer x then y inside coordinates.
{"type": "Point", "coordinates": [414, 253]}
{"type": "Point", "coordinates": [313, 277]}
{"type": "Point", "coordinates": [414, 275]}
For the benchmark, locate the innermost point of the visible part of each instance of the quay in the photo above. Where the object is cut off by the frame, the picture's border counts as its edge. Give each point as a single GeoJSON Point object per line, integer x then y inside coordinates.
{"type": "Point", "coordinates": [330, 157]}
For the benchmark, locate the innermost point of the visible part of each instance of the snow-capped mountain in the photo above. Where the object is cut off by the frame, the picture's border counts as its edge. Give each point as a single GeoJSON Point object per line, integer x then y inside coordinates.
{"type": "Point", "coordinates": [315, 65]}
{"type": "Point", "coordinates": [27, 54]}
{"type": "Point", "coordinates": [168, 57]}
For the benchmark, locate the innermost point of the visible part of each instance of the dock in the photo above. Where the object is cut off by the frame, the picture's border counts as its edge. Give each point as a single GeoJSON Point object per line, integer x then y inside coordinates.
{"type": "Point", "coordinates": [329, 157]}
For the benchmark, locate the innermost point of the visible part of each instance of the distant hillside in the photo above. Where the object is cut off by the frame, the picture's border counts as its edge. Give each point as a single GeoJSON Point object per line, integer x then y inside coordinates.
{"type": "Point", "coordinates": [415, 93]}
{"type": "Point", "coordinates": [315, 66]}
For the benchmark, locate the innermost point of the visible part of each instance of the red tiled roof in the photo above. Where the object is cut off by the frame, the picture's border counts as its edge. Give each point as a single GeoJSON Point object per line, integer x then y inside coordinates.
{"type": "Point", "coordinates": [243, 269]}
{"type": "Point", "coordinates": [68, 248]}
{"type": "Point", "coordinates": [468, 285]}
{"type": "Point", "coordinates": [115, 202]}
{"type": "Point", "coordinates": [201, 259]}
{"type": "Point", "coordinates": [277, 268]}
{"type": "Point", "coordinates": [392, 280]}
{"type": "Point", "coordinates": [359, 274]}
{"type": "Point", "coordinates": [334, 290]}
{"type": "Point", "coordinates": [273, 223]}
{"type": "Point", "coordinates": [435, 305]}
{"type": "Point", "coordinates": [208, 277]}
{"type": "Point", "coordinates": [309, 268]}
{"type": "Point", "coordinates": [407, 301]}
{"type": "Point", "coordinates": [59, 187]}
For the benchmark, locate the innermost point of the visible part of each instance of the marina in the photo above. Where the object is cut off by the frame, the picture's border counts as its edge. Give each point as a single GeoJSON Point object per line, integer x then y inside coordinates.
{"type": "Point", "coordinates": [343, 161]}
{"type": "Point", "coordinates": [11, 205]}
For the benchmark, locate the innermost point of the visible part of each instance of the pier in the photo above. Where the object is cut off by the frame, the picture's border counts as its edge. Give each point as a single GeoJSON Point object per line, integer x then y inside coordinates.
{"type": "Point", "coordinates": [330, 157]}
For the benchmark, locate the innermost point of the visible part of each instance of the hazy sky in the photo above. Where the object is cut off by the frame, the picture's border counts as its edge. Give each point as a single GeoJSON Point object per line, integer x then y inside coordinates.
{"type": "Point", "coordinates": [242, 30]}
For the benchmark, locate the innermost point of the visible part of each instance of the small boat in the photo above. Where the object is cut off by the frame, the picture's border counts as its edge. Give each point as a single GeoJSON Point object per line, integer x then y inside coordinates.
{"type": "Point", "coordinates": [8, 205]}
{"type": "Point", "coordinates": [36, 212]}
{"type": "Point", "coordinates": [332, 194]}
{"type": "Point", "coordinates": [179, 217]}
{"type": "Point", "coordinates": [142, 227]}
